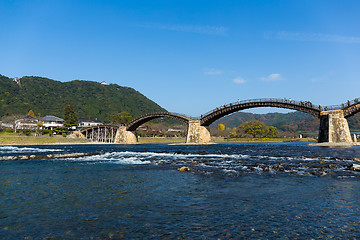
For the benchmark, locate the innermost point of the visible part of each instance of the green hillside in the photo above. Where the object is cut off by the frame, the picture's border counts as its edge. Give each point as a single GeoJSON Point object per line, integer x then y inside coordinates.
{"type": "Point", "coordinates": [90, 99]}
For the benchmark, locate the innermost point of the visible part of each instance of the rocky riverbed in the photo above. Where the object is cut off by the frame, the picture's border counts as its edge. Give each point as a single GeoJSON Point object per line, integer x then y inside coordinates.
{"type": "Point", "coordinates": [47, 156]}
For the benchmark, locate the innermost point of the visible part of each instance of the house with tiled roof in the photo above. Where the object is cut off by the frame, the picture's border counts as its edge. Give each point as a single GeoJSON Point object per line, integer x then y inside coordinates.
{"type": "Point", "coordinates": [89, 123]}
{"type": "Point", "coordinates": [27, 122]}
{"type": "Point", "coordinates": [51, 122]}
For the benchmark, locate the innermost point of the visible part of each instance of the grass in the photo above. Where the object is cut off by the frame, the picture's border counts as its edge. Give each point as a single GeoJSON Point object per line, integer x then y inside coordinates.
{"type": "Point", "coordinates": [264, 139]}
{"type": "Point", "coordinates": [164, 140]}
{"type": "Point", "coordinates": [17, 139]}
{"type": "Point", "coordinates": [161, 140]}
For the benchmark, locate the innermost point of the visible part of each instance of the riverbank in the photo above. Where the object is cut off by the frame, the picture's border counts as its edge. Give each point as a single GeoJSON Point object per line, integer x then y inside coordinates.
{"type": "Point", "coordinates": [169, 140]}
{"type": "Point", "coordinates": [334, 145]}
{"type": "Point", "coordinates": [161, 140]}
{"type": "Point", "coordinates": [261, 140]}
{"type": "Point", "coordinates": [15, 139]}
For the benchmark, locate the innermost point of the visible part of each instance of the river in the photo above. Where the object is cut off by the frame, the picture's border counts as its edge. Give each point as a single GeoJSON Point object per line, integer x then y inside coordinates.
{"type": "Point", "coordinates": [241, 191]}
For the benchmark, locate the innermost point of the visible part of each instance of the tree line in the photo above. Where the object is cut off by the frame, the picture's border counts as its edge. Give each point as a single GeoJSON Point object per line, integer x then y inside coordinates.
{"type": "Point", "coordinates": [253, 128]}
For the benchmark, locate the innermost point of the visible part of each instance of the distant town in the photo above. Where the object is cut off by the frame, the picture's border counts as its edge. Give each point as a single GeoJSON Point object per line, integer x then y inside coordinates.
{"type": "Point", "coordinates": [49, 125]}
{"type": "Point", "coordinates": [48, 122]}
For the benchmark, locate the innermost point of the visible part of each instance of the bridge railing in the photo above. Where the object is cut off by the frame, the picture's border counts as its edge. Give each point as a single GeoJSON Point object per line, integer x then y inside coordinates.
{"type": "Point", "coordinates": [273, 100]}
{"type": "Point", "coordinates": [351, 102]}
{"type": "Point", "coordinates": [342, 106]}
{"type": "Point", "coordinates": [332, 107]}
{"type": "Point", "coordinates": [184, 115]}
{"type": "Point", "coordinates": [170, 113]}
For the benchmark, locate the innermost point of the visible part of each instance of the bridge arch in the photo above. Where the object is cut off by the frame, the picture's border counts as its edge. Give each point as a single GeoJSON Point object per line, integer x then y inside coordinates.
{"type": "Point", "coordinates": [227, 109]}
{"type": "Point", "coordinates": [133, 125]}
{"type": "Point", "coordinates": [352, 108]}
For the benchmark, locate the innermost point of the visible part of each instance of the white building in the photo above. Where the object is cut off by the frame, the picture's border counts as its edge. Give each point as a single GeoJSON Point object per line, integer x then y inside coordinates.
{"type": "Point", "coordinates": [6, 125]}
{"type": "Point", "coordinates": [51, 122]}
{"type": "Point", "coordinates": [89, 123]}
{"type": "Point", "coordinates": [27, 122]}
{"type": "Point", "coordinates": [17, 80]}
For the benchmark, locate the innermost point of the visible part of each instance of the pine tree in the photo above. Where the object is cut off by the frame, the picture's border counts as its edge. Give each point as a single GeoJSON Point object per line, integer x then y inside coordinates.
{"type": "Point", "coordinates": [70, 115]}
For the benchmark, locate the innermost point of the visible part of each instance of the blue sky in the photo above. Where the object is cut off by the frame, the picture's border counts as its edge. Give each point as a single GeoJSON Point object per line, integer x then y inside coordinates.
{"type": "Point", "coordinates": [190, 56]}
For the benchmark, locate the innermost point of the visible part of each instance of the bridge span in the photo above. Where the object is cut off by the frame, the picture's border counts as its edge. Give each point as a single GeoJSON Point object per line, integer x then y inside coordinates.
{"type": "Point", "coordinates": [133, 125]}
{"type": "Point", "coordinates": [333, 123]}
{"type": "Point", "coordinates": [227, 109]}
{"type": "Point", "coordinates": [101, 133]}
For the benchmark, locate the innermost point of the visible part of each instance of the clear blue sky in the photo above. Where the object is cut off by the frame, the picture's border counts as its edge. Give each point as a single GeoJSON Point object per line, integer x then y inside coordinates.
{"type": "Point", "coordinates": [190, 56]}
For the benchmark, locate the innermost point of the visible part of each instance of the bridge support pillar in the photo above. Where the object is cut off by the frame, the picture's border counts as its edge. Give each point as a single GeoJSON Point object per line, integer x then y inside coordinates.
{"type": "Point", "coordinates": [125, 137]}
{"type": "Point", "coordinates": [77, 134]}
{"type": "Point", "coordinates": [334, 127]}
{"type": "Point", "coordinates": [197, 134]}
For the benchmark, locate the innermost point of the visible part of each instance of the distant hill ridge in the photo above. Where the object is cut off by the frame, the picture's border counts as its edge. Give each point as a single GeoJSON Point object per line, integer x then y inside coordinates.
{"type": "Point", "coordinates": [289, 122]}
{"type": "Point", "coordinates": [90, 99]}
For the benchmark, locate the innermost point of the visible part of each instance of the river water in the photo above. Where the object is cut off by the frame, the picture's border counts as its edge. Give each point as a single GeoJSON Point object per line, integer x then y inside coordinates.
{"type": "Point", "coordinates": [241, 191]}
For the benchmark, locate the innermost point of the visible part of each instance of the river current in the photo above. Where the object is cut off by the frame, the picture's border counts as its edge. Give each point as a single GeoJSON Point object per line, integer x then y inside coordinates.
{"type": "Point", "coordinates": [232, 191]}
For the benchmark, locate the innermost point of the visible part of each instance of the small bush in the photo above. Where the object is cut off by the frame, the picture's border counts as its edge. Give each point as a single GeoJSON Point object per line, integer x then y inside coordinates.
{"type": "Point", "coordinates": [26, 132]}
{"type": "Point", "coordinates": [45, 131]}
{"type": "Point", "coordinates": [9, 130]}
{"type": "Point", "coordinates": [63, 134]}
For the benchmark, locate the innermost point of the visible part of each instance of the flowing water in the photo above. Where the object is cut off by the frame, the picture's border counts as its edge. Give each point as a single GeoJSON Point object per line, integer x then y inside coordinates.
{"type": "Point", "coordinates": [241, 191]}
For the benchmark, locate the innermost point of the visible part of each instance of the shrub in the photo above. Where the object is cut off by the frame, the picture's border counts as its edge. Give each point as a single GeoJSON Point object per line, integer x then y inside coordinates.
{"type": "Point", "coordinates": [26, 132]}
{"type": "Point", "coordinates": [45, 131]}
{"type": "Point", "coordinates": [221, 127]}
{"type": "Point", "coordinates": [9, 130]}
{"type": "Point", "coordinates": [64, 134]}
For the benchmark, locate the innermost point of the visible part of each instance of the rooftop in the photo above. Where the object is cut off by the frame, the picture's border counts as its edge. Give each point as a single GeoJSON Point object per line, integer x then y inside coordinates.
{"type": "Point", "coordinates": [52, 119]}
{"type": "Point", "coordinates": [91, 120]}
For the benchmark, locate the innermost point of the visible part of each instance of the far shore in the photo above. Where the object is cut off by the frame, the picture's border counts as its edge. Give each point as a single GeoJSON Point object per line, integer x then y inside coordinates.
{"type": "Point", "coordinates": [7, 139]}
{"type": "Point", "coordinates": [14, 139]}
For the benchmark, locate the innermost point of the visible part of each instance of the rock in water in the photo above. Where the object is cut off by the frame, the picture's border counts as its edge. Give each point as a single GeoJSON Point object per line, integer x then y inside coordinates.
{"type": "Point", "coordinates": [355, 167]}
{"type": "Point", "coordinates": [184, 169]}
{"type": "Point", "coordinates": [280, 168]}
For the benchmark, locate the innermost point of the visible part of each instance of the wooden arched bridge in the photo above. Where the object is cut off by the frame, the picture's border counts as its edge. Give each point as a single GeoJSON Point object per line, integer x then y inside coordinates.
{"type": "Point", "coordinates": [132, 126]}
{"type": "Point", "coordinates": [227, 109]}
{"type": "Point", "coordinates": [333, 123]}
{"type": "Point", "coordinates": [107, 133]}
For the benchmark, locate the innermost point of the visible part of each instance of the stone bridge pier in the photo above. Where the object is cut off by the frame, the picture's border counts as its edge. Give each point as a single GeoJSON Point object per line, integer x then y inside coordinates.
{"type": "Point", "coordinates": [334, 127]}
{"type": "Point", "coordinates": [197, 134]}
{"type": "Point", "coordinates": [125, 137]}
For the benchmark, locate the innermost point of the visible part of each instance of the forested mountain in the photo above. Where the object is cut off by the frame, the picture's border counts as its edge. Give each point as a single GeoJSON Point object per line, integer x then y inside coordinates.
{"type": "Point", "coordinates": [90, 99]}
{"type": "Point", "coordinates": [293, 121]}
